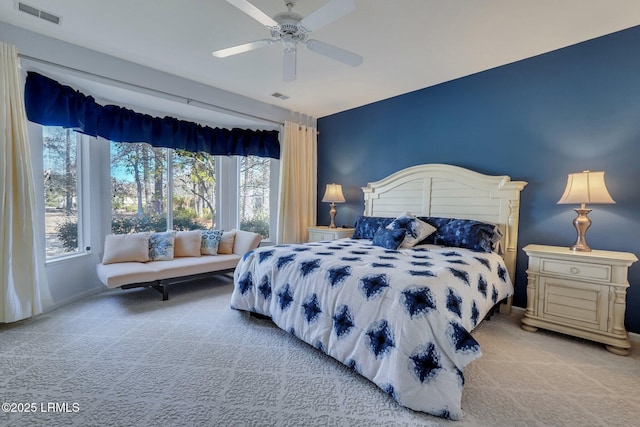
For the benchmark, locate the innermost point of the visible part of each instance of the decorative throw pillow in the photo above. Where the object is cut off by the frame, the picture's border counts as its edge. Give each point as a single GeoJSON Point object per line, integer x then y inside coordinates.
{"type": "Point", "coordinates": [366, 226]}
{"type": "Point", "coordinates": [210, 241]}
{"type": "Point", "coordinates": [470, 234]}
{"type": "Point", "coordinates": [416, 230]}
{"type": "Point", "coordinates": [126, 248]}
{"type": "Point", "coordinates": [437, 223]}
{"type": "Point", "coordinates": [227, 242]}
{"type": "Point", "coordinates": [187, 243]}
{"type": "Point", "coordinates": [161, 246]}
{"type": "Point", "coordinates": [389, 238]}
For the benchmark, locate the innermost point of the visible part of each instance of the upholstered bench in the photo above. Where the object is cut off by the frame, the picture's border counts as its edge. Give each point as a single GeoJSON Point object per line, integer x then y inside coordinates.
{"type": "Point", "coordinates": [161, 259]}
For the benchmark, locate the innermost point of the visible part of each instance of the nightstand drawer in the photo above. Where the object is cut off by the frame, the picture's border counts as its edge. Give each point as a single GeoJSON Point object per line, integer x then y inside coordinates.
{"type": "Point", "coordinates": [576, 269]}
{"type": "Point", "coordinates": [318, 237]}
{"type": "Point", "coordinates": [572, 303]}
{"type": "Point", "coordinates": [319, 233]}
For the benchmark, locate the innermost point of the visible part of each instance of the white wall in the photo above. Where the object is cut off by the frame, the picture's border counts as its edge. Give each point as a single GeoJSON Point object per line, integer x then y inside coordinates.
{"type": "Point", "coordinates": [75, 277]}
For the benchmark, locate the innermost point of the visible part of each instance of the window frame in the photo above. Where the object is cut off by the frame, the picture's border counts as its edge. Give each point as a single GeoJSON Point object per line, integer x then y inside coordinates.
{"type": "Point", "coordinates": [83, 198]}
{"type": "Point", "coordinates": [274, 189]}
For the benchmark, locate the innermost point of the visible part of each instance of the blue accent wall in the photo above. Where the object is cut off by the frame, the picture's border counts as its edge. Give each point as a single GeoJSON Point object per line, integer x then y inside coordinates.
{"type": "Point", "coordinates": [536, 120]}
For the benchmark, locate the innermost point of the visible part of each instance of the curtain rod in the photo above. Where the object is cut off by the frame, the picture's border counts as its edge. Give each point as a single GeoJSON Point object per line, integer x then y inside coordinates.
{"type": "Point", "coordinates": [188, 101]}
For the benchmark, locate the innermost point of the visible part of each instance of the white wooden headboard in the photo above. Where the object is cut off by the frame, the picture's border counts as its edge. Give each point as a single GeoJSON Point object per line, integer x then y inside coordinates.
{"type": "Point", "coordinates": [453, 192]}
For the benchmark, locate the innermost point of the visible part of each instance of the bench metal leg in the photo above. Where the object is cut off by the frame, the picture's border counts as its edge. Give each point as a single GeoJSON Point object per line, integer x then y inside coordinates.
{"type": "Point", "coordinates": [162, 286]}
{"type": "Point", "coordinates": [165, 290]}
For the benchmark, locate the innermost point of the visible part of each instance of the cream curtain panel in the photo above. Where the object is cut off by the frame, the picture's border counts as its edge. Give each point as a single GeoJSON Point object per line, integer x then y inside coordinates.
{"type": "Point", "coordinates": [23, 285]}
{"type": "Point", "coordinates": [298, 183]}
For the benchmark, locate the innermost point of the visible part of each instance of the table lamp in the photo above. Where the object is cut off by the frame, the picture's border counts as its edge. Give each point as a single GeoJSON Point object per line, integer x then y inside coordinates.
{"type": "Point", "coordinates": [333, 194]}
{"type": "Point", "coordinates": [582, 188]}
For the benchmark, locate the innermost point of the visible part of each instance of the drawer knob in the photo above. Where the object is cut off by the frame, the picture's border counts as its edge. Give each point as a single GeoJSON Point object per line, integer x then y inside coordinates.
{"type": "Point", "coordinates": [574, 270]}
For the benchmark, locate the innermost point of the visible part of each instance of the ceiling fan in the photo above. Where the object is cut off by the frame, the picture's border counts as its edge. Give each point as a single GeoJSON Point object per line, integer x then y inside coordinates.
{"type": "Point", "coordinates": [291, 29]}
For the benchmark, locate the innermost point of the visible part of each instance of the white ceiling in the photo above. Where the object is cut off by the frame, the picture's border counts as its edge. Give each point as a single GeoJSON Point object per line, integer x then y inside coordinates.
{"type": "Point", "coordinates": [406, 44]}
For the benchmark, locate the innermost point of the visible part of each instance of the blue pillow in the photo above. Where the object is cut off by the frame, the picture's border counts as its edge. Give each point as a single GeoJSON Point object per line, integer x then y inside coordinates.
{"type": "Point", "coordinates": [161, 246]}
{"type": "Point", "coordinates": [210, 241]}
{"type": "Point", "coordinates": [366, 226]}
{"type": "Point", "coordinates": [467, 233]}
{"type": "Point", "coordinates": [389, 238]}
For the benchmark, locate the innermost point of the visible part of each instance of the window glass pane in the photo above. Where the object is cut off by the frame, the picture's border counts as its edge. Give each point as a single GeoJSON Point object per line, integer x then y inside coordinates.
{"type": "Point", "coordinates": [138, 186]}
{"type": "Point", "coordinates": [253, 195]}
{"type": "Point", "coordinates": [194, 183]}
{"type": "Point", "coordinates": [60, 190]}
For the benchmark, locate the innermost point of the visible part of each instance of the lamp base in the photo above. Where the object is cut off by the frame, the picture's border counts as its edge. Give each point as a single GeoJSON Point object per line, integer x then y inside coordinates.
{"type": "Point", "coordinates": [332, 213]}
{"type": "Point", "coordinates": [581, 223]}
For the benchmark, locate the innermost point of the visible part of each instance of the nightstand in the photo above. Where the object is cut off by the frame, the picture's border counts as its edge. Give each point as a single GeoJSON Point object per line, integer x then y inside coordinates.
{"type": "Point", "coordinates": [319, 233]}
{"type": "Point", "coordinates": [579, 293]}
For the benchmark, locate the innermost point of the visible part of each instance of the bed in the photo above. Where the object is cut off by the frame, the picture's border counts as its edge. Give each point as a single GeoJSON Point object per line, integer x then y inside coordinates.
{"type": "Point", "coordinates": [433, 254]}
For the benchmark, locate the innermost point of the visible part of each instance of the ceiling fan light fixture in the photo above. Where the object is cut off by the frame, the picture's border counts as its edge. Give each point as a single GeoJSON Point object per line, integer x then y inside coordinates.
{"type": "Point", "coordinates": [289, 64]}
{"type": "Point", "coordinates": [289, 42]}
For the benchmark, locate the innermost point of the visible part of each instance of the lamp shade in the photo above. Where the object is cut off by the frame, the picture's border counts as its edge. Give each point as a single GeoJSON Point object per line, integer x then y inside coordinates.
{"type": "Point", "coordinates": [333, 193]}
{"type": "Point", "coordinates": [585, 187]}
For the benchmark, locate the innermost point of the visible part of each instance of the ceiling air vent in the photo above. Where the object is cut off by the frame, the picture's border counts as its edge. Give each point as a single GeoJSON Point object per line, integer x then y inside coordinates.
{"type": "Point", "coordinates": [23, 7]}
{"type": "Point", "coordinates": [279, 96]}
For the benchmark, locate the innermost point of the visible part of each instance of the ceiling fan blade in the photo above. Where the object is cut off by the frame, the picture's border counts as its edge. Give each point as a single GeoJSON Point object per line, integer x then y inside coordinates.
{"type": "Point", "coordinates": [255, 13]}
{"type": "Point", "coordinates": [334, 52]}
{"type": "Point", "coordinates": [289, 64]}
{"type": "Point", "coordinates": [328, 13]}
{"type": "Point", "coordinates": [234, 50]}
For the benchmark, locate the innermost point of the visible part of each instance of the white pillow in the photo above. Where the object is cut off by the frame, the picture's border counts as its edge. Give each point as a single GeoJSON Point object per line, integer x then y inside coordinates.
{"type": "Point", "coordinates": [416, 230]}
{"type": "Point", "coordinates": [187, 243]}
{"type": "Point", "coordinates": [226, 244]}
{"type": "Point", "coordinates": [126, 248]}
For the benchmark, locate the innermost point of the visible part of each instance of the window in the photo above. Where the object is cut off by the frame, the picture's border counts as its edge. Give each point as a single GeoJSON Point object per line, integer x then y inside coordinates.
{"type": "Point", "coordinates": [193, 191]}
{"type": "Point", "coordinates": [61, 154]}
{"type": "Point", "coordinates": [147, 183]}
{"type": "Point", "coordinates": [138, 188]}
{"type": "Point", "coordinates": [254, 194]}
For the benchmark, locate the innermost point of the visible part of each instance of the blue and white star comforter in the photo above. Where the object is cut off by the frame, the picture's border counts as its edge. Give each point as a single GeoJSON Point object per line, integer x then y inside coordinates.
{"type": "Point", "coordinates": [399, 318]}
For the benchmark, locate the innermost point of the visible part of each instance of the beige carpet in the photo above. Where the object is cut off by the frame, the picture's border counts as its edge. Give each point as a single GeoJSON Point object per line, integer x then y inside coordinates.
{"type": "Point", "coordinates": [126, 358]}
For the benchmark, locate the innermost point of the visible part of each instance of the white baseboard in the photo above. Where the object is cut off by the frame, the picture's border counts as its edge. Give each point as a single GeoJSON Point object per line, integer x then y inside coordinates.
{"type": "Point", "coordinates": [518, 310]}
{"type": "Point", "coordinates": [73, 298]}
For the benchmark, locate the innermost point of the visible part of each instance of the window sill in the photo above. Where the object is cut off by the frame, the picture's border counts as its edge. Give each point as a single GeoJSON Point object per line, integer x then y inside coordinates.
{"type": "Point", "coordinates": [67, 258]}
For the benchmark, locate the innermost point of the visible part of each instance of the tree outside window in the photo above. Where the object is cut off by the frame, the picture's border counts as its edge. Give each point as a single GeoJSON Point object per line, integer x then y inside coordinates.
{"type": "Point", "coordinates": [194, 185]}
{"type": "Point", "coordinates": [142, 180]}
{"type": "Point", "coordinates": [139, 189]}
{"type": "Point", "coordinates": [60, 164]}
{"type": "Point", "coordinates": [254, 194]}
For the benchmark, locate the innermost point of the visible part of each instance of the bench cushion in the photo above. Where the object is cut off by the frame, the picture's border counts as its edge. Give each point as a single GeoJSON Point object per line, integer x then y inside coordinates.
{"type": "Point", "coordinates": [124, 273]}
{"type": "Point", "coordinates": [193, 265]}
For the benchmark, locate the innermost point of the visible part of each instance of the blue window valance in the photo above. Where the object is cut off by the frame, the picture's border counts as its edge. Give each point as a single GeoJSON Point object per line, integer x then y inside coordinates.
{"type": "Point", "coordinates": [50, 103]}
